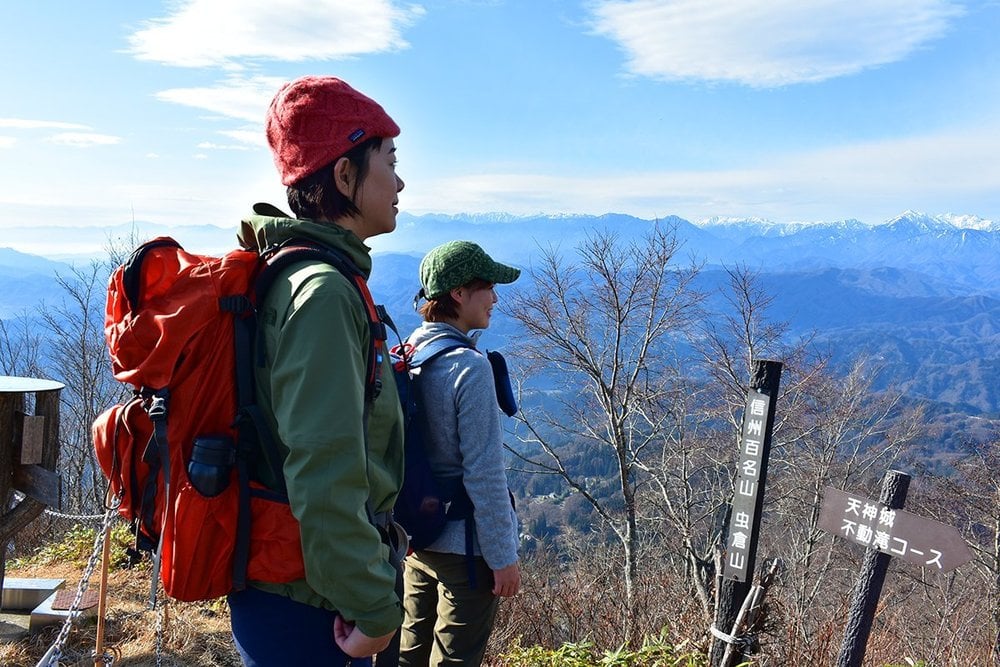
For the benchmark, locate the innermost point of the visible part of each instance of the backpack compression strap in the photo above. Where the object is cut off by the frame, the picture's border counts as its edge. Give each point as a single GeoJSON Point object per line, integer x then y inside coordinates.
{"type": "Point", "coordinates": [132, 269]}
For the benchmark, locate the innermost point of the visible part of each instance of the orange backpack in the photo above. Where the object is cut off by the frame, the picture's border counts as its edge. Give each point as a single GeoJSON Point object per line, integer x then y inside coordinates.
{"type": "Point", "coordinates": [179, 455]}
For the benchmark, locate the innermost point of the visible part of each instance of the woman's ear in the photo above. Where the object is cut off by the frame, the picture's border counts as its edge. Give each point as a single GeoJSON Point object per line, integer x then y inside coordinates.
{"type": "Point", "coordinates": [458, 294]}
{"type": "Point", "coordinates": [344, 175]}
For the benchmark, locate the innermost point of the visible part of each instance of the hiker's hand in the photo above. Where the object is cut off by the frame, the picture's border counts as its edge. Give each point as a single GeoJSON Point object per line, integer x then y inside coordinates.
{"type": "Point", "coordinates": [355, 643]}
{"type": "Point", "coordinates": [507, 581]}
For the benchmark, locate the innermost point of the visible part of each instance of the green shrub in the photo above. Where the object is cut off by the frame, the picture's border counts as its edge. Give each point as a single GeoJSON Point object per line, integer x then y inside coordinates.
{"type": "Point", "coordinates": [76, 546]}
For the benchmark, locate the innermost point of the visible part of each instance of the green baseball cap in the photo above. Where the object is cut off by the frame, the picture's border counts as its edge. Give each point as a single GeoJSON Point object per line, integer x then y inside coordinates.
{"type": "Point", "coordinates": [455, 263]}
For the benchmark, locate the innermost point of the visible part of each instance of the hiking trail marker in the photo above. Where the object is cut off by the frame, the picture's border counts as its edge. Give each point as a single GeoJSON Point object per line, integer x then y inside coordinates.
{"type": "Point", "coordinates": [740, 549]}
{"type": "Point", "coordinates": [895, 532]}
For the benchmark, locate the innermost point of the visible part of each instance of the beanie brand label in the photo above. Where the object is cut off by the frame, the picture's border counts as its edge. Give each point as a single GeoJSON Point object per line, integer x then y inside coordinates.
{"type": "Point", "coordinates": [356, 134]}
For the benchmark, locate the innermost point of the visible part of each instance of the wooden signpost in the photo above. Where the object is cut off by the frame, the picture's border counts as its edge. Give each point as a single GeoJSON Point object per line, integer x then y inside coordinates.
{"type": "Point", "coordinates": [740, 554]}
{"type": "Point", "coordinates": [748, 496]}
{"type": "Point", "coordinates": [895, 532]}
{"type": "Point", "coordinates": [886, 530]}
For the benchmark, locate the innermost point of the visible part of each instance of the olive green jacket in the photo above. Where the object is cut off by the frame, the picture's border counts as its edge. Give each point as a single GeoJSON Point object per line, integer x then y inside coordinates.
{"type": "Point", "coordinates": [316, 337]}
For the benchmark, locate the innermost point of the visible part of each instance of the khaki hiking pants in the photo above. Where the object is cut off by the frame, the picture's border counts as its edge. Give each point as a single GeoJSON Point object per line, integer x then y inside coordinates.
{"type": "Point", "coordinates": [446, 621]}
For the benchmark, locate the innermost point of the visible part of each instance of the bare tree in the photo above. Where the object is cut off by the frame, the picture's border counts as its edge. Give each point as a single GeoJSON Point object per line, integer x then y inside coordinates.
{"type": "Point", "coordinates": [737, 332]}
{"type": "Point", "coordinates": [969, 497]}
{"type": "Point", "coordinates": [845, 435]}
{"type": "Point", "coordinates": [604, 328]}
{"type": "Point", "coordinates": [830, 429]}
{"type": "Point", "coordinates": [688, 488]}
{"type": "Point", "coordinates": [77, 358]}
{"type": "Point", "coordinates": [735, 335]}
{"type": "Point", "coordinates": [20, 347]}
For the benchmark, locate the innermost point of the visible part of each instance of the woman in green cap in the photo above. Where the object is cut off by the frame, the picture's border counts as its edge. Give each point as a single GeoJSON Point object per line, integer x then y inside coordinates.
{"type": "Point", "coordinates": [450, 601]}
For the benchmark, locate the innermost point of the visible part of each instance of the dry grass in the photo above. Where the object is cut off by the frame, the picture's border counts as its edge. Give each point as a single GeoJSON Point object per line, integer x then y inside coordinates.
{"type": "Point", "coordinates": [195, 634]}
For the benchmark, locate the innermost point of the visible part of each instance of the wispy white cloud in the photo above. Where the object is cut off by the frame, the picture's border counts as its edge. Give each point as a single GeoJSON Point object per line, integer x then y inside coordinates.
{"type": "Point", "coordinates": [243, 98]}
{"type": "Point", "coordinates": [202, 33]}
{"type": "Point", "coordinates": [768, 43]}
{"type": "Point", "coordinates": [27, 124]}
{"type": "Point", "coordinates": [83, 139]}
{"type": "Point", "coordinates": [250, 137]}
{"type": "Point", "coordinates": [209, 146]}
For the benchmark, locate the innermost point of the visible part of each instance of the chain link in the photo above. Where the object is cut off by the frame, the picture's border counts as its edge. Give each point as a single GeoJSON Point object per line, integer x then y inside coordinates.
{"type": "Point", "coordinates": [75, 517]}
{"type": "Point", "coordinates": [55, 652]}
{"type": "Point", "coordinates": [19, 496]}
{"type": "Point", "coordinates": [72, 658]}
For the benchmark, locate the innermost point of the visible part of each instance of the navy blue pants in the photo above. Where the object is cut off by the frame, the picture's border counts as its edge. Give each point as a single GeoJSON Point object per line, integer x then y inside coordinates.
{"type": "Point", "coordinates": [276, 631]}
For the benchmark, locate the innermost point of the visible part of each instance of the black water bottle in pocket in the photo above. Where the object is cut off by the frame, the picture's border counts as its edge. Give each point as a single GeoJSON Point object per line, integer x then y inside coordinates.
{"type": "Point", "coordinates": [212, 459]}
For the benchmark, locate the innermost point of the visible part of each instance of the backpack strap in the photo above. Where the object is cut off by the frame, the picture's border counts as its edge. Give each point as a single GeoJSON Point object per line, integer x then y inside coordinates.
{"type": "Point", "coordinates": [277, 259]}
{"type": "Point", "coordinates": [298, 250]}
{"type": "Point", "coordinates": [253, 436]}
{"type": "Point", "coordinates": [159, 447]}
{"type": "Point", "coordinates": [417, 356]}
{"type": "Point", "coordinates": [501, 381]}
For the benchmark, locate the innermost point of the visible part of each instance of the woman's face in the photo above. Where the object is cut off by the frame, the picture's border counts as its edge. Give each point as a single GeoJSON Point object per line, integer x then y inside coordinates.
{"type": "Point", "coordinates": [377, 194]}
{"type": "Point", "coordinates": [475, 307]}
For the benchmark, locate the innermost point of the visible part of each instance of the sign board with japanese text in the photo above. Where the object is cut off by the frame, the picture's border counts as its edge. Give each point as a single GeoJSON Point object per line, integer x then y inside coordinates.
{"type": "Point", "coordinates": [913, 538]}
{"type": "Point", "coordinates": [750, 476]}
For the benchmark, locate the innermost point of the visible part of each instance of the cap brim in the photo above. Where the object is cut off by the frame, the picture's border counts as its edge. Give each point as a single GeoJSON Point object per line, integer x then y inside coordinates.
{"type": "Point", "coordinates": [501, 274]}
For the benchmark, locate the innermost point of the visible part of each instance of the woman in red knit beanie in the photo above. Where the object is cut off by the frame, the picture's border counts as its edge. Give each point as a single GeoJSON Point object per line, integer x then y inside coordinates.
{"type": "Point", "coordinates": [341, 445]}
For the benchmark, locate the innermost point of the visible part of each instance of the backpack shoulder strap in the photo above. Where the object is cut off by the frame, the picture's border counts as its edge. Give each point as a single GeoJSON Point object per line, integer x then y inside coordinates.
{"type": "Point", "coordinates": [430, 350]}
{"type": "Point", "coordinates": [298, 250]}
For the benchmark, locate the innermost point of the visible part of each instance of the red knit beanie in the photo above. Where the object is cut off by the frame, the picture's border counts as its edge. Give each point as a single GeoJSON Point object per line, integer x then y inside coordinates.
{"type": "Point", "coordinates": [316, 119]}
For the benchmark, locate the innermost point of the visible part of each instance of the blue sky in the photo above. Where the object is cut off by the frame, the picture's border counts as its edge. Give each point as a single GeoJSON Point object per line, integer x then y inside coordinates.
{"type": "Point", "coordinates": [790, 110]}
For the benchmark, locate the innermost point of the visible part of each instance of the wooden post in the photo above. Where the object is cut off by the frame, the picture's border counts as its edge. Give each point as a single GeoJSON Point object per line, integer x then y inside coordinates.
{"type": "Point", "coordinates": [102, 603]}
{"type": "Point", "coordinates": [870, 579]}
{"type": "Point", "coordinates": [746, 510]}
{"type": "Point", "coordinates": [11, 404]}
{"type": "Point", "coordinates": [14, 472]}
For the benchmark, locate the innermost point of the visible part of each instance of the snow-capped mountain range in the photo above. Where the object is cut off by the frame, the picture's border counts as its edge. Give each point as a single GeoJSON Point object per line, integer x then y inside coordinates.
{"type": "Point", "coordinates": [714, 240]}
{"type": "Point", "coordinates": [919, 293]}
{"type": "Point", "coordinates": [944, 221]}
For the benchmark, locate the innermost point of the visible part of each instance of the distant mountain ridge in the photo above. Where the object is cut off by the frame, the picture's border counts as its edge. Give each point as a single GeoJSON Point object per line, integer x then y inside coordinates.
{"type": "Point", "coordinates": [911, 240]}
{"type": "Point", "coordinates": [938, 246]}
{"type": "Point", "coordinates": [918, 294]}
{"type": "Point", "coordinates": [958, 254]}
{"type": "Point", "coordinates": [26, 281]}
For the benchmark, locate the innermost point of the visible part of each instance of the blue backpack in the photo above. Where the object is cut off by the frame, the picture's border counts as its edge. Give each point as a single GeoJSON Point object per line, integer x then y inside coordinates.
{"type": "Point", "coordinates": [426, 503]}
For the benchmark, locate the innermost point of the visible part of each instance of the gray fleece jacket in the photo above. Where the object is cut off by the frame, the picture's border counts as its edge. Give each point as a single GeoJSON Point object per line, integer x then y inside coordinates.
{"type": "Point", "coordinates": [465, 438]}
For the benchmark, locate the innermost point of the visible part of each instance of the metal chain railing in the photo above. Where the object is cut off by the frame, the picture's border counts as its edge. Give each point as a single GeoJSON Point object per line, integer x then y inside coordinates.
{"type": "Point", "coordinates": [18, 497]}
{"type": "Point", "coordinates": [54, 654]}
{"type": "Point", "coordinates": [74, 517]}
